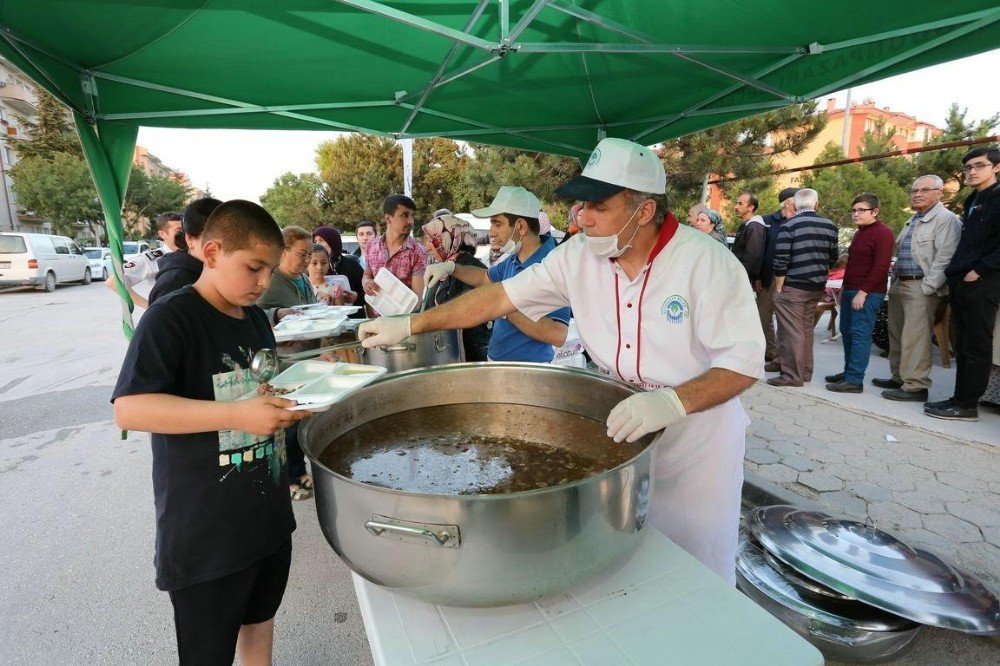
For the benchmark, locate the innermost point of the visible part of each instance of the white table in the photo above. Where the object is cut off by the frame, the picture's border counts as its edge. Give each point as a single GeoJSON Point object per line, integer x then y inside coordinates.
{"type": "Point", "coordinates": [661, 607]}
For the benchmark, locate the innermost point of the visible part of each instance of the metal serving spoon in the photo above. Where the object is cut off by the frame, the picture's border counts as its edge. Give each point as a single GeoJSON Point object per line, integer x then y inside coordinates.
{"type": "Point", "coordinates": [264, 365]}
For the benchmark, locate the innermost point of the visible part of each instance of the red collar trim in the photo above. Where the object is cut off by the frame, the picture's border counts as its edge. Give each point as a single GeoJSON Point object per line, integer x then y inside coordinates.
{"type": "Point", "coordinates": [667, 232]}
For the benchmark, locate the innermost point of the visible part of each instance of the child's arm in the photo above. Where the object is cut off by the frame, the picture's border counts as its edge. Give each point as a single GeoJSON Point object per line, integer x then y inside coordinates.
{"type": "Point", "coordinates": [172, 415]}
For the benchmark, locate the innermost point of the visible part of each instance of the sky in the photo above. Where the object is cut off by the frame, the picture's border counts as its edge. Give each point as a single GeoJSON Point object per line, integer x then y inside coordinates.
{"type": "Point", "coordinates": [238, 164]}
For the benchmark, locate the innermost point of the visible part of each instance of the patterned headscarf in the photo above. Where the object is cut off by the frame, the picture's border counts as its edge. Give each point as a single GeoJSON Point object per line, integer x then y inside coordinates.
{"type": "Point", "coordinates": [448, 235]}
{"type": "Point", "coordinates": [573, 226]}
{"type": "Point", "coordinates": [718, 226]}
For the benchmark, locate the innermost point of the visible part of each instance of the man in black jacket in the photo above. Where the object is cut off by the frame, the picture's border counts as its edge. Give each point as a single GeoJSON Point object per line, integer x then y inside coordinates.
{"type": "Point", "coordinates": [974, 287]}
{"type": "Point", "coordinates": [183, 267]}
{"type": "Point", "coordinates": [751, 236]}
{"type": "Point", "coordinates": [764, 284]}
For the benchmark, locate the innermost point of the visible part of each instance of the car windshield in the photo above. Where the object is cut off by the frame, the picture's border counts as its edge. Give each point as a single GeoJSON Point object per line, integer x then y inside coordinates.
{"type": "Point", "coordinates": [92, 254]}
{"type": "Point", "coordinates": [12, 245]}
{"type": "Point", "coordinates": [130, 248]}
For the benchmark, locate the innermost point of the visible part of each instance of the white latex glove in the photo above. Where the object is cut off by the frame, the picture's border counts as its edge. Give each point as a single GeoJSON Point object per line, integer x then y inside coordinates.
{"type": "Point", "coordinates": [384, 331]}
{"type": "Point", "coordinates": [434, 272]}
{"type": "Point", "coordinates": [643, 413]}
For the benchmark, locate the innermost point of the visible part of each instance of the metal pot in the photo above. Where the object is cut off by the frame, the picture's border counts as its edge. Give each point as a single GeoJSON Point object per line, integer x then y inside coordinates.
{"type": "Point", "coordinates": [482, 550]}
{"type": "Point", "coordinates": [422, 350]}
{"type": "Point", "coordinates": [851, 632]}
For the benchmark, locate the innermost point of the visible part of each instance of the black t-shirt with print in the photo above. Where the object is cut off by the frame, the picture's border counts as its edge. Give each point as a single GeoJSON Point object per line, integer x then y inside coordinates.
{"type": "Point", "coordinates": [221, 497]}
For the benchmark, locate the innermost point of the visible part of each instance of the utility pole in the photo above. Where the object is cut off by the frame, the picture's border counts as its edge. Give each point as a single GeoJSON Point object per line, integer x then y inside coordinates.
{"type": "Point", "coordinates": [845, 139]}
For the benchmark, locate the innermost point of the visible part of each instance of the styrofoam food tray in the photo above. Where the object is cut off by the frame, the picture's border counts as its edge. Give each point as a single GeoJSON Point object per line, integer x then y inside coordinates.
{"type": "Point", "coordinates": [299, 374]}
{"type": "Point", "coordinates": [308, 329]}
{"type": "Point", "coordinates": [394, 297]}
{"type": "Point", "coordinates": [325, 312]}
{"type": "Point", "coordinates": [325, 390]}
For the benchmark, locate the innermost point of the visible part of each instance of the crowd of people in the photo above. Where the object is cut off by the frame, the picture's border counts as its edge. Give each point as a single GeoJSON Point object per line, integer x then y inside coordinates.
{"type": "Point", "coordinates": [667, 308]}
{"type": "Point", "coordinates": [793, 261]}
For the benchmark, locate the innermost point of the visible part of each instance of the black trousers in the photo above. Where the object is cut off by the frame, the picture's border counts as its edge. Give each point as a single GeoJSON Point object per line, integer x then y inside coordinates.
{"type": "Point", "coordinates": [297, 459]}
{"type": "Point", "coordinates": [973, 312]}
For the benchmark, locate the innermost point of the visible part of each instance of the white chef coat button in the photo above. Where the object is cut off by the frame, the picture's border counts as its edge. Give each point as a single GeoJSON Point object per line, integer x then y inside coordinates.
{"type": "Point", "coordinates": [628, 305]}
{"type": "Point", "coordinates": [628, 346]}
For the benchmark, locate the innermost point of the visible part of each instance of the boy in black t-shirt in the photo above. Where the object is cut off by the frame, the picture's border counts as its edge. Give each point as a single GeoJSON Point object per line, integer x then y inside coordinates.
{"type": "Point", "coordinates": [223, 515]}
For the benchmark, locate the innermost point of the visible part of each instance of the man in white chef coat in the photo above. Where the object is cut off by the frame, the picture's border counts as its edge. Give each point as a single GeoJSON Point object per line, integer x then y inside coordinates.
{"type": "Point", "coordinates": [658, 305]}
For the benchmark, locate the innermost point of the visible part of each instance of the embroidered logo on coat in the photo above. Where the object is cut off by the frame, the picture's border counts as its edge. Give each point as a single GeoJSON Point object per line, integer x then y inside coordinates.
{"type": "Point", "coordinates": [675, 309]}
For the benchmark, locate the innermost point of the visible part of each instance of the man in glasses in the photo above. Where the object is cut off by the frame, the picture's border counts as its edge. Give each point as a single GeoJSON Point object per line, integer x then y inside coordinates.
{"type": "Point", "coordinates": [923, 249]}
{"type": "Point", "coordinates": [974, 287]}
{"type": "Point", "coordinates": [865, 282]}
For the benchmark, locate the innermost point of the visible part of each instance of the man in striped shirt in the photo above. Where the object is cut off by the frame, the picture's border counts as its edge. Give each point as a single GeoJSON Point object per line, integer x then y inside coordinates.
{"type": "Point", "coordinates": [806, 249]}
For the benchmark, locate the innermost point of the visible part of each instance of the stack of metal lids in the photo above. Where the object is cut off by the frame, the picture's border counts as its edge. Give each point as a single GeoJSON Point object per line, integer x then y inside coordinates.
{"type": "Point", "coordinates": [856, 592]}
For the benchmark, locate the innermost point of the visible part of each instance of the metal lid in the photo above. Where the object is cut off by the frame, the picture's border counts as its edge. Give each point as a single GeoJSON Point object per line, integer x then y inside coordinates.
{"type": "Point", "coordinates": [753, 568]}
{"type": "Point", "coordinates": [867, 564]}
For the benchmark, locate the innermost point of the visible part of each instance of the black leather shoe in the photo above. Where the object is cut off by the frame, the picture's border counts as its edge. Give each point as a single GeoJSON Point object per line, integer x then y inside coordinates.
{"type": "Point", "coordinates": [940, 404]}
{"type": "Point", "coordinates": [953, 413]}
{"type": "Point", "coordinates": [845, 387]}
{"type": "Point", "coordinates": [905, 396]}
{"type": "Point", "coordinates": [772, 366]}
{"type": "Point", "coordinates": [839, 377]}
{"type": "Point", "coordinates": [887, 383]}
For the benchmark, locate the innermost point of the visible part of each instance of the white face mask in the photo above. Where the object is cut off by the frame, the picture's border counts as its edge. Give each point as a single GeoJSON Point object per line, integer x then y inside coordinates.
{"type": "Point", "coordinates": [510, 247]}
{"type": "Point", "coordinates": [606, 247]}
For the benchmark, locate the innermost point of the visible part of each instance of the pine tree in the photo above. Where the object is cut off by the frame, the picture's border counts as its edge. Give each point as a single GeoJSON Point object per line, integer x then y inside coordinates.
{"type": "Point", "coordinates": [51, 132]}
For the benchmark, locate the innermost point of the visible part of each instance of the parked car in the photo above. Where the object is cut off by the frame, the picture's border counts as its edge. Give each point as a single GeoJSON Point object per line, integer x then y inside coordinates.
{"type": "Point", "coordinates": [132, 249]}
{"type": "Point", "coordinates": [350, 242]}
{"type": "Point", "coordinates": [41, 260]}
{"type": "Point", "coordinates": [100, 261]}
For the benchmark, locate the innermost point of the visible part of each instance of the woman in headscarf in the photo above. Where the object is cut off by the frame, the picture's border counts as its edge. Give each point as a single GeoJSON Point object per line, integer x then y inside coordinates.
{"type": "Point", "coordinates": [448, 238]}
{"type": "Point", "coordinates": [342, 264]}
{"type": "Point", "coordinates": [710, 222]}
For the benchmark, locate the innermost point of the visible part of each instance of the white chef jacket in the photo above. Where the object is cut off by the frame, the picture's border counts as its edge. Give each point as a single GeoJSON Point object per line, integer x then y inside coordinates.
{"type": "Point", "coordinates": [143, 268]}
{"type": "Point", "coordinates": [689, 309]}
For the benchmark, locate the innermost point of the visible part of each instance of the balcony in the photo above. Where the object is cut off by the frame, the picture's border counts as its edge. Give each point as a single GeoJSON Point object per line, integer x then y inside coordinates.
{"type": "Point", "coordinates": [19, 98]}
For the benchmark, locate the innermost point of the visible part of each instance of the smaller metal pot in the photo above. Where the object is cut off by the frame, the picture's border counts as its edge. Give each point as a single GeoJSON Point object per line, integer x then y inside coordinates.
{"type": "Point", "coordinates": [859, 634]}
{"type": "Point", "coordinates": [422, 350]}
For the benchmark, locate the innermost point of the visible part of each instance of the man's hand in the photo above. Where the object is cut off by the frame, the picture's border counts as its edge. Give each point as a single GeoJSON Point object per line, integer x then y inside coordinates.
{"type": "Point", "coordinates": [384, 331]}
{"type": "Point", "coordinates": [971, 276]}
{"type": "Point", "coordinates": [644, 413]}
{"type": "Point", "coordinates": [434, 272]}
{"type": "Point", "coordinates": [265, 415]}
{"type": "Point", "coordinates": [858, 301]}
{"type": "Point", "coordinates": [370, 286]}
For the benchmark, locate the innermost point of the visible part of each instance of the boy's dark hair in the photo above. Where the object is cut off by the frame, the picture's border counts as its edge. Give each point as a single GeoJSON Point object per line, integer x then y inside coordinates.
{"type": "Point", "coordinates": [239, 224]}
{"type": "Point", "coordinates": [867, 198]}
{"type": "Point", "coordinates": [367, 223]}
{"type": "Point", "coordinates": [533, 225]}
{"type": "Point", "coordinates": [992, 153]}
{"type": "Point", "coordinates": [196, 214]}
{"type": "Point", "coordinates": [163, 218]}
{"type": "Point", "coordinates": [394, 201]}
{"type": "Point", "coordinates": [752, 199]}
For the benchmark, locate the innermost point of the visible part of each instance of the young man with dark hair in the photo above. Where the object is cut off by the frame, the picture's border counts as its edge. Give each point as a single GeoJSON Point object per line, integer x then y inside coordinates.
{"type": "Point", "coordinates": [223, 515]}
{"type": "Point", "coordinates": [183, 267]}
{"type": "Point", "coordinates": [142, 269]}
{"type": "Point", "coordinates": [396, 250]}
{"type": "Point", "coordinates": [514, 222]}
{"type": "Point", "coordinates": [751, 236]}
{"type": "Point", "coordinates": [865, 281]}
{"type": "Point", "coordinates": [974, 287]}
{"type": "Point", "coordinates": [366, 231]}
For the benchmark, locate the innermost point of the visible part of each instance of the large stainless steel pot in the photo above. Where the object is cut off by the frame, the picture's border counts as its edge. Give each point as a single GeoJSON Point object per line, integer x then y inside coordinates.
{"type": "Point", "coordinates": [482, 550]}
{"type": "Point", "coordinates": [418, 351]}
{"type": "Point", "coordinates": [842, 630]}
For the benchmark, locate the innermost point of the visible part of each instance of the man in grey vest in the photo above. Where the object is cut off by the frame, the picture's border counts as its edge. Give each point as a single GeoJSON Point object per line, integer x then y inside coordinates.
{"type": "Point", "coordinates": [923, 249]}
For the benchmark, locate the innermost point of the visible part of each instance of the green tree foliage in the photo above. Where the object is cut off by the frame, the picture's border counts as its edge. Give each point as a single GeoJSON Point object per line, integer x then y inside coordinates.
{"type": "Point", "coordinates": [947, 163]}
{"type": "Point", "coordinates": [52, 131]}
{"type": "Point", "coordinates": [148, 196]}
{"type": "Point", "coordinates": [358, 171]}
{"type": "Point", "coordinates": [838, 186]}
{"type": "Point", "coordinates": [297, 200]}
{"type": "Point", "coordinates": [743, 150]}
{"type": "Point", "coordinates": [878, 141]}
{"type": "Point", "coordinates": [57, 188]}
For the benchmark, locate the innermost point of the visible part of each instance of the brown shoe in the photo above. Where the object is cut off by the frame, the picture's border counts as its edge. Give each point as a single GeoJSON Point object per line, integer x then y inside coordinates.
{"type": "Point", "coordinates": [781, 381]}
{"type": "Point", "coordinates": [772, 366]}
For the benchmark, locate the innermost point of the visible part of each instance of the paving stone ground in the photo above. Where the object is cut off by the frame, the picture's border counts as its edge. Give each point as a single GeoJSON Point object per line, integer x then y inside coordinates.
{"type": "Point", "coordinates": [930, 490]}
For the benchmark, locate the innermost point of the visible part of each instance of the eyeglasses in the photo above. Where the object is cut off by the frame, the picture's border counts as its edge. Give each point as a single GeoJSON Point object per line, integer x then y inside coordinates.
{"type": "Point", "coordinates": [969, 168]}
{"type": "Point", "coordinates": [858, 211]}
{"type": "Point", "coordinates": [300, 255]}
{"type": "Point", "coordinates": [924, 190]}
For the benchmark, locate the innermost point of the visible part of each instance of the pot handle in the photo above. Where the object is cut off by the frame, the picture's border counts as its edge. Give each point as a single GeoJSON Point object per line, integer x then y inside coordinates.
{"type": "Point", "coordinates": [443, 536]}
{"type": "Point", "coordinates": [404, 347]}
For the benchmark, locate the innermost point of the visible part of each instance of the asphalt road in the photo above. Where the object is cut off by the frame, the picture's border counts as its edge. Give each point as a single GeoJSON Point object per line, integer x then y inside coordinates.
{"type": "Point", "coordinates": [76, 548]}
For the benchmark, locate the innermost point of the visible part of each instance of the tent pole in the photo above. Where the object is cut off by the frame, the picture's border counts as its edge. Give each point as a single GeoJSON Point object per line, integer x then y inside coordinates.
{"type": "Point", "coordinates": [108, 149]}
{"type": "Point", "coordinates": [187, 113]}
{"type": "Point", "coordinates": [904, 32]}
{"type": "Point", "coordinates": [420, 23]}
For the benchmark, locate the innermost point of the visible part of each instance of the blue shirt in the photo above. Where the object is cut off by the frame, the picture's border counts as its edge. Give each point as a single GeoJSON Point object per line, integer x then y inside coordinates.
{"type": "Point", "coordinates": [507, 342]}
{"type": "Point", "coordinates": [905, 263]}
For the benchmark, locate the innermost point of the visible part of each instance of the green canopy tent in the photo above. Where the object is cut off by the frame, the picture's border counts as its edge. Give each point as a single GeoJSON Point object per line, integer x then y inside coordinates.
{"type": "Point", "coordinates": [546, 75]}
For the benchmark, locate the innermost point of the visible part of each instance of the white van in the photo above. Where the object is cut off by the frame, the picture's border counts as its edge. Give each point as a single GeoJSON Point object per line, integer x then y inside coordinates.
{"type": "Point", "coordinates": [41, 260]}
